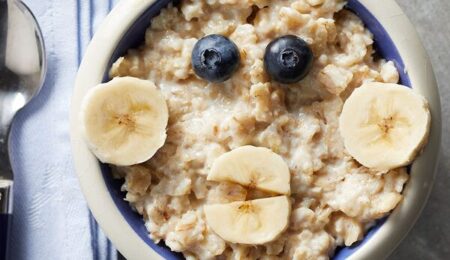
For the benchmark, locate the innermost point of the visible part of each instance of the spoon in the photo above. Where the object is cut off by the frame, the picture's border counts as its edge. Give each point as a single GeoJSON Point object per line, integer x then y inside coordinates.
{"type": "Point", "coordinates": [22, 73]}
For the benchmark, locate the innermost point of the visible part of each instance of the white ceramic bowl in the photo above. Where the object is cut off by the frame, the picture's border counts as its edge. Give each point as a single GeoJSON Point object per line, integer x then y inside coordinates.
{"type": "Point", "coordinates": [119, 31]}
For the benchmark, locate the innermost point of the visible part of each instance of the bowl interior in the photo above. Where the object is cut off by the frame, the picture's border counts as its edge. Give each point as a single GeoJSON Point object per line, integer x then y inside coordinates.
{"type": "Point", "coordinates": [135, 36]}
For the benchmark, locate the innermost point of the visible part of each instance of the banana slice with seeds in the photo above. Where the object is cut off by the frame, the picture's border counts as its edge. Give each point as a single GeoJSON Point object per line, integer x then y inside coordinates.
{"type": "Point", "coordinates": [253, 167]}
{"type": "Point", "coordinates": [124, 121]}
{"type": "Point", "coordinates": [251, 222]}
{"type": "Point", "coordinates": [384, 126]}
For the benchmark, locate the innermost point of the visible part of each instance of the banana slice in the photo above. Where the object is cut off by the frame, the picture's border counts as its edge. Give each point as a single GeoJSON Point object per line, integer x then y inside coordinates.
{"type": "Point", "coordinates": [384, 126]}
{"type": "Point", "coordinates": [251, 222]}
{"type": "Point", "coordinates": [255, 167]}
{"type": "Point", "coordinates": [124, 121]}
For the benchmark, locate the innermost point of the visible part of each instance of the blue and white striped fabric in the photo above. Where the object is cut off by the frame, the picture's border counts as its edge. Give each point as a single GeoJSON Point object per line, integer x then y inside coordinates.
{"type": "Point", "coordinates": [51, 218]}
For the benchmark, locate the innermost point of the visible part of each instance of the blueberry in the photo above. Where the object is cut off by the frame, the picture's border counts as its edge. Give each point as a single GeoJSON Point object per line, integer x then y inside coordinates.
{"type": "Point", "coordinates": [288, 59]}
{"type": "Point", "coordinates": [215, 58]}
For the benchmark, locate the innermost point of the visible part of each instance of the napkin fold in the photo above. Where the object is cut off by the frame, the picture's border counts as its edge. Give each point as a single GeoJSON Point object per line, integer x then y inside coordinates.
{"type": "Point", "coordinates": [51, 217]}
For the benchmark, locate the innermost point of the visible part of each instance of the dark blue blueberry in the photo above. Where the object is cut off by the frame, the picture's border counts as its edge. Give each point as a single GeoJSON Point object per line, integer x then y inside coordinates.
{"type": "Point", "coordinates": [215, 58]}
{"type": "Point", "coordinates": [288, 59]}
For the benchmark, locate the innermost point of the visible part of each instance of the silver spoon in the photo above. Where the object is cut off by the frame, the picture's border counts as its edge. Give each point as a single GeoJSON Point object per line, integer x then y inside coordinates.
{"type": "Point", "coordinates": [22, 73]}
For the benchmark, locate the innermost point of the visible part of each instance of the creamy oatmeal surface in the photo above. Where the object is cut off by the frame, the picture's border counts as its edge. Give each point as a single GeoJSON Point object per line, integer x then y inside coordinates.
{"type": "Point", "coordinates": [334, 199]}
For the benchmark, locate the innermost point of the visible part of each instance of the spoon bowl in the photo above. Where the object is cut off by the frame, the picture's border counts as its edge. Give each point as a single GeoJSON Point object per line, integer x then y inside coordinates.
{"type": "Point", "coordinates": [22, 55]}
{"type": "Point", "coordinates": [22, 72]}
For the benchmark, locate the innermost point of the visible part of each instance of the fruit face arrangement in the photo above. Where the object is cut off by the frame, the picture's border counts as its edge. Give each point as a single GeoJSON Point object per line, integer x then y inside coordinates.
{"type": "Point", "coordinates": [259, 129]}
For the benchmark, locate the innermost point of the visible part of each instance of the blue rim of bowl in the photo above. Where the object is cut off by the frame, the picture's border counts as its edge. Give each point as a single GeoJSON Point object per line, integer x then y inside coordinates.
{"type": "Point", "coordinates": [135, 36]}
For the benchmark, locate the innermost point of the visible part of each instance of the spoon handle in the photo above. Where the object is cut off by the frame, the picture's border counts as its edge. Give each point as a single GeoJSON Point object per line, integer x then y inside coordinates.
{"type": "Point", "coordinates": [5, 225]}
{"type": "Point", "coordinates": [5, 216]}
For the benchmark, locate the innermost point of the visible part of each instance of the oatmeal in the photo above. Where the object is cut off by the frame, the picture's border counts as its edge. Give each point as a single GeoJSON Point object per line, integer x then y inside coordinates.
{"type": "Point", "coordinates": [333, 198]}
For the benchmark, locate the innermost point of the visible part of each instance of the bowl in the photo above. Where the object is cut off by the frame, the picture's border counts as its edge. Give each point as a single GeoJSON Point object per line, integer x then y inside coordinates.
{"type": "Point", "coordinates": [124, 28]}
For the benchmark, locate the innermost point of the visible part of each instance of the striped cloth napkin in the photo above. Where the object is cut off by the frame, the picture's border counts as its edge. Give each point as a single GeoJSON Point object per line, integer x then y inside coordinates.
{"type": "Point", "coordinates": [51, 217]}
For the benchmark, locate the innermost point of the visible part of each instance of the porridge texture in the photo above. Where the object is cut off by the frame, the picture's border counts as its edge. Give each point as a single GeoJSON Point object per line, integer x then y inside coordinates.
{"type": "Point", "coordinates": [334, 200]}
